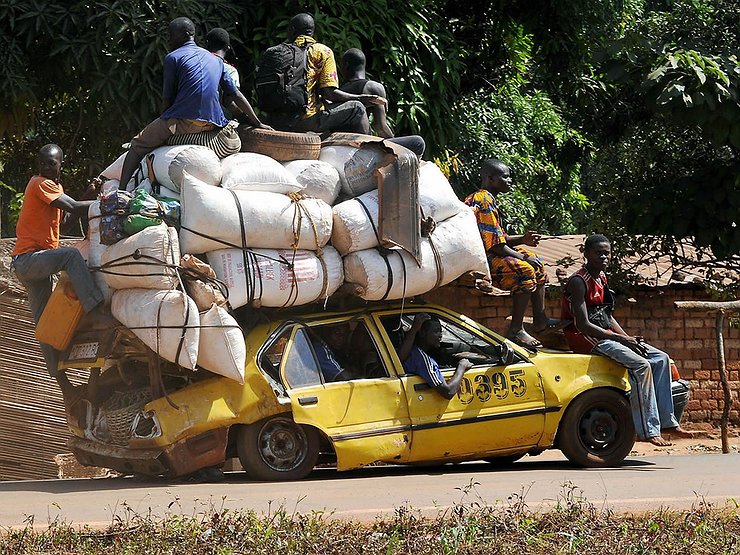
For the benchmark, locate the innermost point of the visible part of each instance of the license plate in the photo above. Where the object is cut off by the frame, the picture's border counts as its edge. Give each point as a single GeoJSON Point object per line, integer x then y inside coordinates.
{"type": "Point", "coordinates": [82, 351]}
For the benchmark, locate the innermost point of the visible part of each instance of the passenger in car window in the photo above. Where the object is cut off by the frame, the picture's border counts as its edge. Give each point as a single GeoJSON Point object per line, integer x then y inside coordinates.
{"type": "Point", "coordinates": [424, 336]}
{"type": "Point", "coordinates": [328, 345]}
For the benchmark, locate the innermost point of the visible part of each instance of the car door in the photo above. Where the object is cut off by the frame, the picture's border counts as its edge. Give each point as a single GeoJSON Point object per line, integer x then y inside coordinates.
{"type": "Point", "coordinates": [365, 416]}
{"type": "Point", "coordinates": [499, 406]}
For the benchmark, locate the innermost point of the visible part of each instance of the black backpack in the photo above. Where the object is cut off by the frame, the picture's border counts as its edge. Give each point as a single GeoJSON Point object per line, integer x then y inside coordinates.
{"type": "Point", "coordinates": [281, 80]}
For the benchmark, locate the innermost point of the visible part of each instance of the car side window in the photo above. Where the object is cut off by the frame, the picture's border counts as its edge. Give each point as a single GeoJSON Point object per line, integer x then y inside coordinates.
{"type": "Point", "coordinates": [272, 356]}
{"type": "Point", "coordinates": [346, 351]}
{"type": "Point", "coordinates": [300, 368]}
{"type": "Point", "coordinates": [457, 342]}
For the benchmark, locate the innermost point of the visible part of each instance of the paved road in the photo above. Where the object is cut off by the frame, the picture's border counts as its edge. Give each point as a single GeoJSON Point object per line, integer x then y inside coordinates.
{"type": "Point", "coordinates": [644, 483]}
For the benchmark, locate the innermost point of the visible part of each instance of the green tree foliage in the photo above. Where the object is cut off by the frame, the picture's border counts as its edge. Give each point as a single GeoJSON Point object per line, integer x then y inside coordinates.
{"type": "Point", "coordinates": [88, 74]}
{"type": "Point", "coordinates": [667, 124]}
{"type": "Point", "coordinates": [530, 135]}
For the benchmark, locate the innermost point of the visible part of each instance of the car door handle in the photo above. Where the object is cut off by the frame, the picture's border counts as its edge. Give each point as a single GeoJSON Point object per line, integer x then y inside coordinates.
{"type": "Point", "coordinates": [303, 401]}
{"type": "Point", "coordinates": [421, 386]}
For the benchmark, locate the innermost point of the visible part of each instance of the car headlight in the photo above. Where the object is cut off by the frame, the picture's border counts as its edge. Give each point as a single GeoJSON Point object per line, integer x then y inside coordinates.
{"type": "Point", "coordinates": [146, 426]}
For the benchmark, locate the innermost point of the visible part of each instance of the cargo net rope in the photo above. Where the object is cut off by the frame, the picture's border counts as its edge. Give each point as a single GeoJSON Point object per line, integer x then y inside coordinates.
{"type": "Point", "coordinates": [252, 271]}
{"type": "Point", "coordinates": [161, 268]}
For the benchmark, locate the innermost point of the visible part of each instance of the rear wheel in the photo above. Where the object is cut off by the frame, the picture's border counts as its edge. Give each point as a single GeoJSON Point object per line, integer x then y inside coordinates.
{"type": "Point", "coordinates": [278, 449]}
{"type": "Point", "coordinates": [597, 429]}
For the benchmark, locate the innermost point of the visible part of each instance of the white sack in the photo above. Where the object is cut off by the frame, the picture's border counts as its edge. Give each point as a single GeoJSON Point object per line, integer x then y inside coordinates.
{"type": "Point", "coordinates": [249, 171]}
{"type": "Point", "coordinates": [158, 242]}
{"type": "Point", "coordinates": [160, 319]}
{"type": "Point", "coordinates": [437, 199]}
{"type": "Point", "coordinates": [354, 227]}
{"type": "Point", "coordinates": [356, 167]}
{"type": "Point", "coordinates": [96, 249]}
{"type": "Point", "coordinates": [270, 220]}
{"type": "Point", "coordinates": [199, 161]}
{"type": "Point", "coordinates": [114, 170]}
{"type": "Point", "coordinates": [163, 191]}
{"type": "Point", "coordinates": [222, 348]}
{"type": "Point", "coordinates": [83, 245]}
{"type": "Point", "coordinates": [275, 284]}
{"type": "Point", "coordinates": [459, 248]}
{"type": "Point", "coordinates": [319, 179]}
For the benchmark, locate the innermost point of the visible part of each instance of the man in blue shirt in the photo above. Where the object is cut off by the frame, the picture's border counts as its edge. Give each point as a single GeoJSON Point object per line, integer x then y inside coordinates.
{"type": "Point", "coordinates": [190, 97]}
{"type": "Point", "coordinates": [426, 335]}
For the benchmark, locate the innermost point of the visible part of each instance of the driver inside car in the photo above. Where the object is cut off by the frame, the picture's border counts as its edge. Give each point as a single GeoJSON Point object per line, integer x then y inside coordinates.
{"type": "Point", "coordinates": [425, 336]}
{"type": "Point", "coordinates": [328, 345]}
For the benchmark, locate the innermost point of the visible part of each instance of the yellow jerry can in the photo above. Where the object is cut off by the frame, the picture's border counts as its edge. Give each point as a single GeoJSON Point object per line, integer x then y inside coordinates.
{"type": "Point", "coordinates": [59, 320]}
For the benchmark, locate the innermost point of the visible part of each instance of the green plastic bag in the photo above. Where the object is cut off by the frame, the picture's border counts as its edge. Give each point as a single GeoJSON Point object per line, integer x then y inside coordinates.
{"type": "Point", "coordinates": [147, 210]}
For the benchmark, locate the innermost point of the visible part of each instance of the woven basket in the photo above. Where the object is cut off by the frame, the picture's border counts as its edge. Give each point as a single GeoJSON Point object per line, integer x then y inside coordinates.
{"type": "Point", "coordinates": [121, 409]}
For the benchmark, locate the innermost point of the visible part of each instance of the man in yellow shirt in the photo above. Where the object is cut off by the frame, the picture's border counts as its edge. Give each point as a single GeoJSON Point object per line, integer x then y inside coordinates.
{"type": "Point", "coordinates": [346, 111]}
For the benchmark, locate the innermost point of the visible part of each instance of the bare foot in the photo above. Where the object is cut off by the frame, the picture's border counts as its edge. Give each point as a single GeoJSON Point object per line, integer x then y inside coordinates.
{"type": "Point", "coordinates": [523, 339]}
{"type": "Point", "coordinates": [658, 441]}
{"type": "Point", "coordinates": [678, 431]}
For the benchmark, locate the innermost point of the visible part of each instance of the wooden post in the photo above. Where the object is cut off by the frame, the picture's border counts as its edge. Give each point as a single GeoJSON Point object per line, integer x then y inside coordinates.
{"type": "Point", "coordinates": [719, 308]}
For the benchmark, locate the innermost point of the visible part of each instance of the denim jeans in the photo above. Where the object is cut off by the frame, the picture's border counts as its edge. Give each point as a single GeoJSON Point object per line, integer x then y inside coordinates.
{"type": "Point", "coordinates": [35, 269]}
{"type": "Point", "coordinates": [650, 377]}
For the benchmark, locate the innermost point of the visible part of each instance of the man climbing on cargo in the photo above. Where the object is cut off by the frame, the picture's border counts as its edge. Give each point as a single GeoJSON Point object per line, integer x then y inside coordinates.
{"type": "Point", "coordinates": [513, 268]}
{"type": "Point", "coordinates": [190, 98]}
{"type": "Point", "coordinates": [37, 256]}
{"type": "Point", "coordinates": [425, 336]}
{"type": "Point", "coordinates": [296, 81]}
{"type": "Point", "coordinates": [355, 81]}
{"type": "Point", "coordinates": [588, 303]}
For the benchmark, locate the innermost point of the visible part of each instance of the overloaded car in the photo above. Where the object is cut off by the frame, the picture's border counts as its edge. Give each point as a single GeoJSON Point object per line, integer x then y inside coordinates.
{"type": "Point", "coordinates": [142, 415]}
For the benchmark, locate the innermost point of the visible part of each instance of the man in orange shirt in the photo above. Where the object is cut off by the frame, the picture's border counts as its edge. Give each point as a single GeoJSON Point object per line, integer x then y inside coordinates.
{"type": "Point", "coordinates": [37, 256]}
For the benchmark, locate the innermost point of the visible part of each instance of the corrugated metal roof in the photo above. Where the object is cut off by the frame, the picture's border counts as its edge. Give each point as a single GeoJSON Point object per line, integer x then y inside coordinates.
{"type": "Point", "coordinates": [562, 255]}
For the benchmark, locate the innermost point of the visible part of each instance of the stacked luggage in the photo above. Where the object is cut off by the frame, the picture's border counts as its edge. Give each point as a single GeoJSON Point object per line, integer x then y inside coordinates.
{"type": "Point", "coordinates": [197, 236]}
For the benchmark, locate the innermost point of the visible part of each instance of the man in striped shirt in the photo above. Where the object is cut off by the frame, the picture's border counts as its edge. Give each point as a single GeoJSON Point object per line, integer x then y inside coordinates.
{"type": "Point", "coordinates": [426, 335]}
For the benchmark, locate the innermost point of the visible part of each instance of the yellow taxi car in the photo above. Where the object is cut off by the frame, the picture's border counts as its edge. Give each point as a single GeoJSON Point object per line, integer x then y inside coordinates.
{"type": "Point", "coordinates": [289, 413]}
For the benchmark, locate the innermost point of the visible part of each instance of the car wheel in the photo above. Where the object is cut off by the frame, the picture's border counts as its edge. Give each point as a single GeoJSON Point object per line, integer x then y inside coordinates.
{"type": "Point", "coordinates": [504, 461]}
{"type": "Point", "coordinates": [277, 449]}
{"type": "Point", "coordinates": [597, 429]}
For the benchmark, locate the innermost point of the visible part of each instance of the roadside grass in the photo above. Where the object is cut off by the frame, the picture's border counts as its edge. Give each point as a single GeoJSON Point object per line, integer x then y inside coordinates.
{"type": "Point", "coordinates": [572, 525]}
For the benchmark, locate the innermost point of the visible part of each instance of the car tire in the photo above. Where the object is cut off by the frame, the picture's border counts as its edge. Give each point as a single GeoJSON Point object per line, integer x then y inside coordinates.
{"type": "Point", "coordinates": [597, 429]}
{"type": "Point", "coordinates": [277, 449]}
{"type": "Point", "coordinates": [282, 146]}
{"type": "Point", "coordinates": [503, 461]}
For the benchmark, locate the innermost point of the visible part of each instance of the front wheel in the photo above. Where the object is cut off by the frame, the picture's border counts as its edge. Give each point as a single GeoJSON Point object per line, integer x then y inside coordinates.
{"type": "Point", "coordinates": [277, 449]}
{"type": "Point", "coordinates": [597, 430]}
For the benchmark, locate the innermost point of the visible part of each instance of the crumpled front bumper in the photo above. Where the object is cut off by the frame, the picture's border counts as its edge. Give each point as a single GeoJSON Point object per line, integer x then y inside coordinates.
{"type": "Point", "coordinates": [179, 459]}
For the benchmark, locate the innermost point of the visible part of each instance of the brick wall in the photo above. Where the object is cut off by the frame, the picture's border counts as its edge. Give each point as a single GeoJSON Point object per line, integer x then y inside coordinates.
{"type": "Point", "coordinates": [688, 337]}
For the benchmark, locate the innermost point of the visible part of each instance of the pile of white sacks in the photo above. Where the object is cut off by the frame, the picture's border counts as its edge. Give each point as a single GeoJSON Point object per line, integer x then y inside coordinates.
{"type": "Point", "coordinates": [276, 236]}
